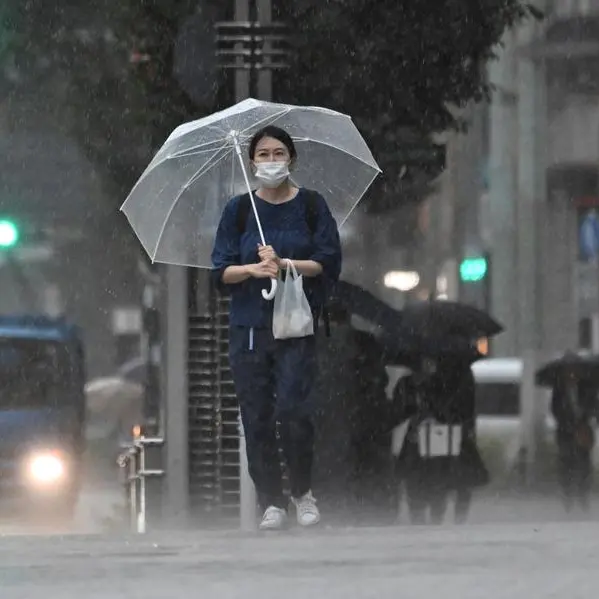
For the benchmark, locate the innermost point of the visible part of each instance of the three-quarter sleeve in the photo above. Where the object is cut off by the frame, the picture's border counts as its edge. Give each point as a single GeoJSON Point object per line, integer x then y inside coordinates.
{"type": "Point", "coordinates": [326, 241]}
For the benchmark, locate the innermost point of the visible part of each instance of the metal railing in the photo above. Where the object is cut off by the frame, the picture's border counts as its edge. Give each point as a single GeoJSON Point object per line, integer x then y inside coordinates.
{"type": "Point", "coordinates": [133, 463]}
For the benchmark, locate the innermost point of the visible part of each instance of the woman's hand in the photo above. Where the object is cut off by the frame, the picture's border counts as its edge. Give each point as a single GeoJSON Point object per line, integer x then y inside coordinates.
{"type": "Point", "coordinates": [267, 269]}
{"type": "Point", "coordinates": [266, 253]}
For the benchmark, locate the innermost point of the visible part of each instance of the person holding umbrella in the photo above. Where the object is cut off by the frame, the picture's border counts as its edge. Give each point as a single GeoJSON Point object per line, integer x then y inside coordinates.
{"type": "Point", "coordinates": [574, 382]}
{"type": "Point", "coordinates": [273, 377]}
{"type": "Point", "coordinates": [441, 391]}
{"type": "Point", "coordinates": [573, 404]}
{"type": "Point", "coordinates": [195, 206]}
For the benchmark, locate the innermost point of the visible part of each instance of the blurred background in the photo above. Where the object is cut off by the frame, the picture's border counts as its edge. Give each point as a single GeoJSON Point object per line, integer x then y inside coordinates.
{"type": "Point", "coordinates": [488, 136]}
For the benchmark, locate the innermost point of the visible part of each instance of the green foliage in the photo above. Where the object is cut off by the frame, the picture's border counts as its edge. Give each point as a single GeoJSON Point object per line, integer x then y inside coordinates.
{"type": "Point", "coordinates": [398, 67]}
{"type": "Point", "coordinates": [104, 72]}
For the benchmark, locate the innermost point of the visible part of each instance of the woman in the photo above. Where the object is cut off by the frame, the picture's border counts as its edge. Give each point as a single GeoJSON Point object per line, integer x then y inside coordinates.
{"type": "Point", "coordinates": [273, 378]}
{"type": "Point", "coordinates": [446, 394]}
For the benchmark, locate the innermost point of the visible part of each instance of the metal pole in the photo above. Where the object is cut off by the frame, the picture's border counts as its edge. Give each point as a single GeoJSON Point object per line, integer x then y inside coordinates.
{"type": "Point", "coordinates": [141, 516]}
{"type": "Point", "coordinates": [503, 200]}
{"type": "Point", "coordinates": [247, 491]}
{"type": "Point", "coordinates": [264, 17]}
{"type": "Point", "coordinates": [242, 76]}
{"type": "Point", "coordinates": [151, 354]}
{"type": "Point", "coordinates": [531, 204]}
{"type": "Point", "coordinates": [175, 392]}
{"type": "Point", "coordinates": [132, 483]}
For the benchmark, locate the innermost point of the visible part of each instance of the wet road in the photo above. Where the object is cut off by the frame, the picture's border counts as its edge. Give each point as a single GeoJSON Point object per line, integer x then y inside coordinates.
{"type": "Point", "coordinates": [510, 561]}
{"type": "Point", "coordinates": [512, 548]}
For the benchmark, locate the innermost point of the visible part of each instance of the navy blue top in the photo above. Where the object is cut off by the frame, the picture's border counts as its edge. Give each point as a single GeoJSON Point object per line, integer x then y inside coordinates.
{"type": "Point", "coordinates": [286, 229]}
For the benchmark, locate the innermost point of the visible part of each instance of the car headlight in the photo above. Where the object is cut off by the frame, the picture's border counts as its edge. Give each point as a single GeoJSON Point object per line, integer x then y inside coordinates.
{"type": "Point", "coordinates": [46, 468]}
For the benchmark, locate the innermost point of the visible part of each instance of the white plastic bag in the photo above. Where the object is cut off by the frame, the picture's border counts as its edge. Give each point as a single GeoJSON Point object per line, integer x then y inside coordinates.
{"type": "Point", "coordinates": [439, 440]}
{"type": "Point", "coordinates": [292, 316]}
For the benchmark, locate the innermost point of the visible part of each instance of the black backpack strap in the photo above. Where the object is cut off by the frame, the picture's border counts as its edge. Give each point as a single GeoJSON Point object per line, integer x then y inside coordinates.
{"type": "Point", "coordinates": [312, 199]}
{"type": "Point", "coordinates": [243, 212]}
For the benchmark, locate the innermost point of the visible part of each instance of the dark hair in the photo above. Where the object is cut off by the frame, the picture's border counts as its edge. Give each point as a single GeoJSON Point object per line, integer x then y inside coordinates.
{"type": "Point", "coordinates": [276, 133]}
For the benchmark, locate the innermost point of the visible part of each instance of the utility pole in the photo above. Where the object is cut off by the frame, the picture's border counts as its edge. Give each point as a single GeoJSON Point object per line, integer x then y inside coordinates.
{"type": "Point", "coordinates": [264, 17]}
{"type": "Point", "coordinates": [503, 198]}
{"type": "Point", "coordinates": [531, 207]}
{"type": "Point", "coordinates": [242, 74]}
{"type": "Point", "coordinates": [253, 48]}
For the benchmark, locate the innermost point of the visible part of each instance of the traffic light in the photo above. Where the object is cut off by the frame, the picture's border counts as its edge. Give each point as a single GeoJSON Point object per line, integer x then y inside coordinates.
{"type": "Point", "coordinates": [473, 269]}
{"type": "Point", "coordinates": [9, 234]}
{"type": "Point", "coordinates": [475, 280]}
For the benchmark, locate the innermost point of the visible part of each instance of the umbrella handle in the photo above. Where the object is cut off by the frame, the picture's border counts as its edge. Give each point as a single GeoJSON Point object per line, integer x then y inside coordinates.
{"type": "Point", "coordinates": [269, 295]}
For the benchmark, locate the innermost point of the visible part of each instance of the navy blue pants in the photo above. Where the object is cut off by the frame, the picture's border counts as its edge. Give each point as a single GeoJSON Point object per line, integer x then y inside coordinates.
{"type": "Point", "coordinates": [273, 380]}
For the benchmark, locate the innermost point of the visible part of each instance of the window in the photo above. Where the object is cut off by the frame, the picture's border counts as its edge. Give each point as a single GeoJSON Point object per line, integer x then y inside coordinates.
{"type": "Point", "coordinates": [33, 373]}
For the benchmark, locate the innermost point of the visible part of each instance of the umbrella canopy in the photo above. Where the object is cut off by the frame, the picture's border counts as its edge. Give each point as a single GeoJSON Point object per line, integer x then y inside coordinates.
{"type": "Point", "coordinates": [113, 405]}
{"type": "Point", "coordinates": [110, 394]}
{"type": "Point", "coordinates": [176, 205]}
{"type": "Point", "coordinates": [440, 317]}
{"type": "Point", "coordinates": [361, 302]}
{"type": "Point", "coordinates": [570, 366]}
{"type": "Point", "coordinates": [409, 350]}
{"type": "Point", "coordinates": [134, 370]}
{"type": "Point", "coordinates": [402, 345]}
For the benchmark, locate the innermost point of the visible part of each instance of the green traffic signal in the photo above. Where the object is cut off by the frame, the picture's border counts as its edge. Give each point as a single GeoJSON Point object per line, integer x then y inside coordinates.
{"type": "Point", "coordinates": [9, 234]}
{"type": "Point", "coordinates": [473, 269]}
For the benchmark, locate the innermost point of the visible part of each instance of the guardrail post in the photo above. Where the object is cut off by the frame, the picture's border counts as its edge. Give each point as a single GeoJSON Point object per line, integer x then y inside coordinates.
{"type": "Point", "coordinates": [139, 470]}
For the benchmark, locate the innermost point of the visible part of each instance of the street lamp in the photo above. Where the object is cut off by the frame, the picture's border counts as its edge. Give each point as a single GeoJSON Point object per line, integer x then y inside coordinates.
{"type": "Point", "coordinates": [402, 280]}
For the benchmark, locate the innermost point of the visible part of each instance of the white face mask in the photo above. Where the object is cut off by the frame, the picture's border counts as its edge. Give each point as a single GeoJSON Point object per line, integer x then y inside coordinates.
{"type": "Point", "coordinates": [272, 174]}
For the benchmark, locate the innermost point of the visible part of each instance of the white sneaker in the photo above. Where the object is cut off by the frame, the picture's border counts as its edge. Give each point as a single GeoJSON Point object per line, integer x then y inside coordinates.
{"type": "Point", "coordinates": [307, 512]}
{"type": "Point", "coordinates": [274, 518]}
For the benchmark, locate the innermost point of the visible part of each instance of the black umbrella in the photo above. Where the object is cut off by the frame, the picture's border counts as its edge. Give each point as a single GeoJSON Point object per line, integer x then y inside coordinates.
{"type": "Point", "coordinates": [401, 344]}
{"type": "Point", "coordinates": [569, 366]}
{"type": "Point", "coordinates": [436, 317]}
{"type": "Point", "coordinates": [356, 300]}
{"type": "Point", "coordinates": [409, 350]}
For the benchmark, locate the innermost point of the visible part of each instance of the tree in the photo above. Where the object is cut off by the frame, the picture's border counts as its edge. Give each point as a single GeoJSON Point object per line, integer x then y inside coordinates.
{"type": "Point", "coordinates": [103, 72]}
{"type": "Point", "coordinates": [399, 67]}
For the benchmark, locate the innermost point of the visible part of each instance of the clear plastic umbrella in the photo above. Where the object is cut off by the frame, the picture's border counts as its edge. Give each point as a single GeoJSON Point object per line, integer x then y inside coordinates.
{"type": "Point", "coordinates": [176, 205]}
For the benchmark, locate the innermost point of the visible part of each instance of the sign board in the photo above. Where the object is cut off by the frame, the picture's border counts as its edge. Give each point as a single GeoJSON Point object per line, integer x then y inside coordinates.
{"type": "Point", "coordinates": [588, 236]}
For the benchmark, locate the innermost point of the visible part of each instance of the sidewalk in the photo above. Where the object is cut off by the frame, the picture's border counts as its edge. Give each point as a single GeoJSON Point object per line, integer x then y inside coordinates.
{"type": "Point", "coordinates": [474, 562]}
